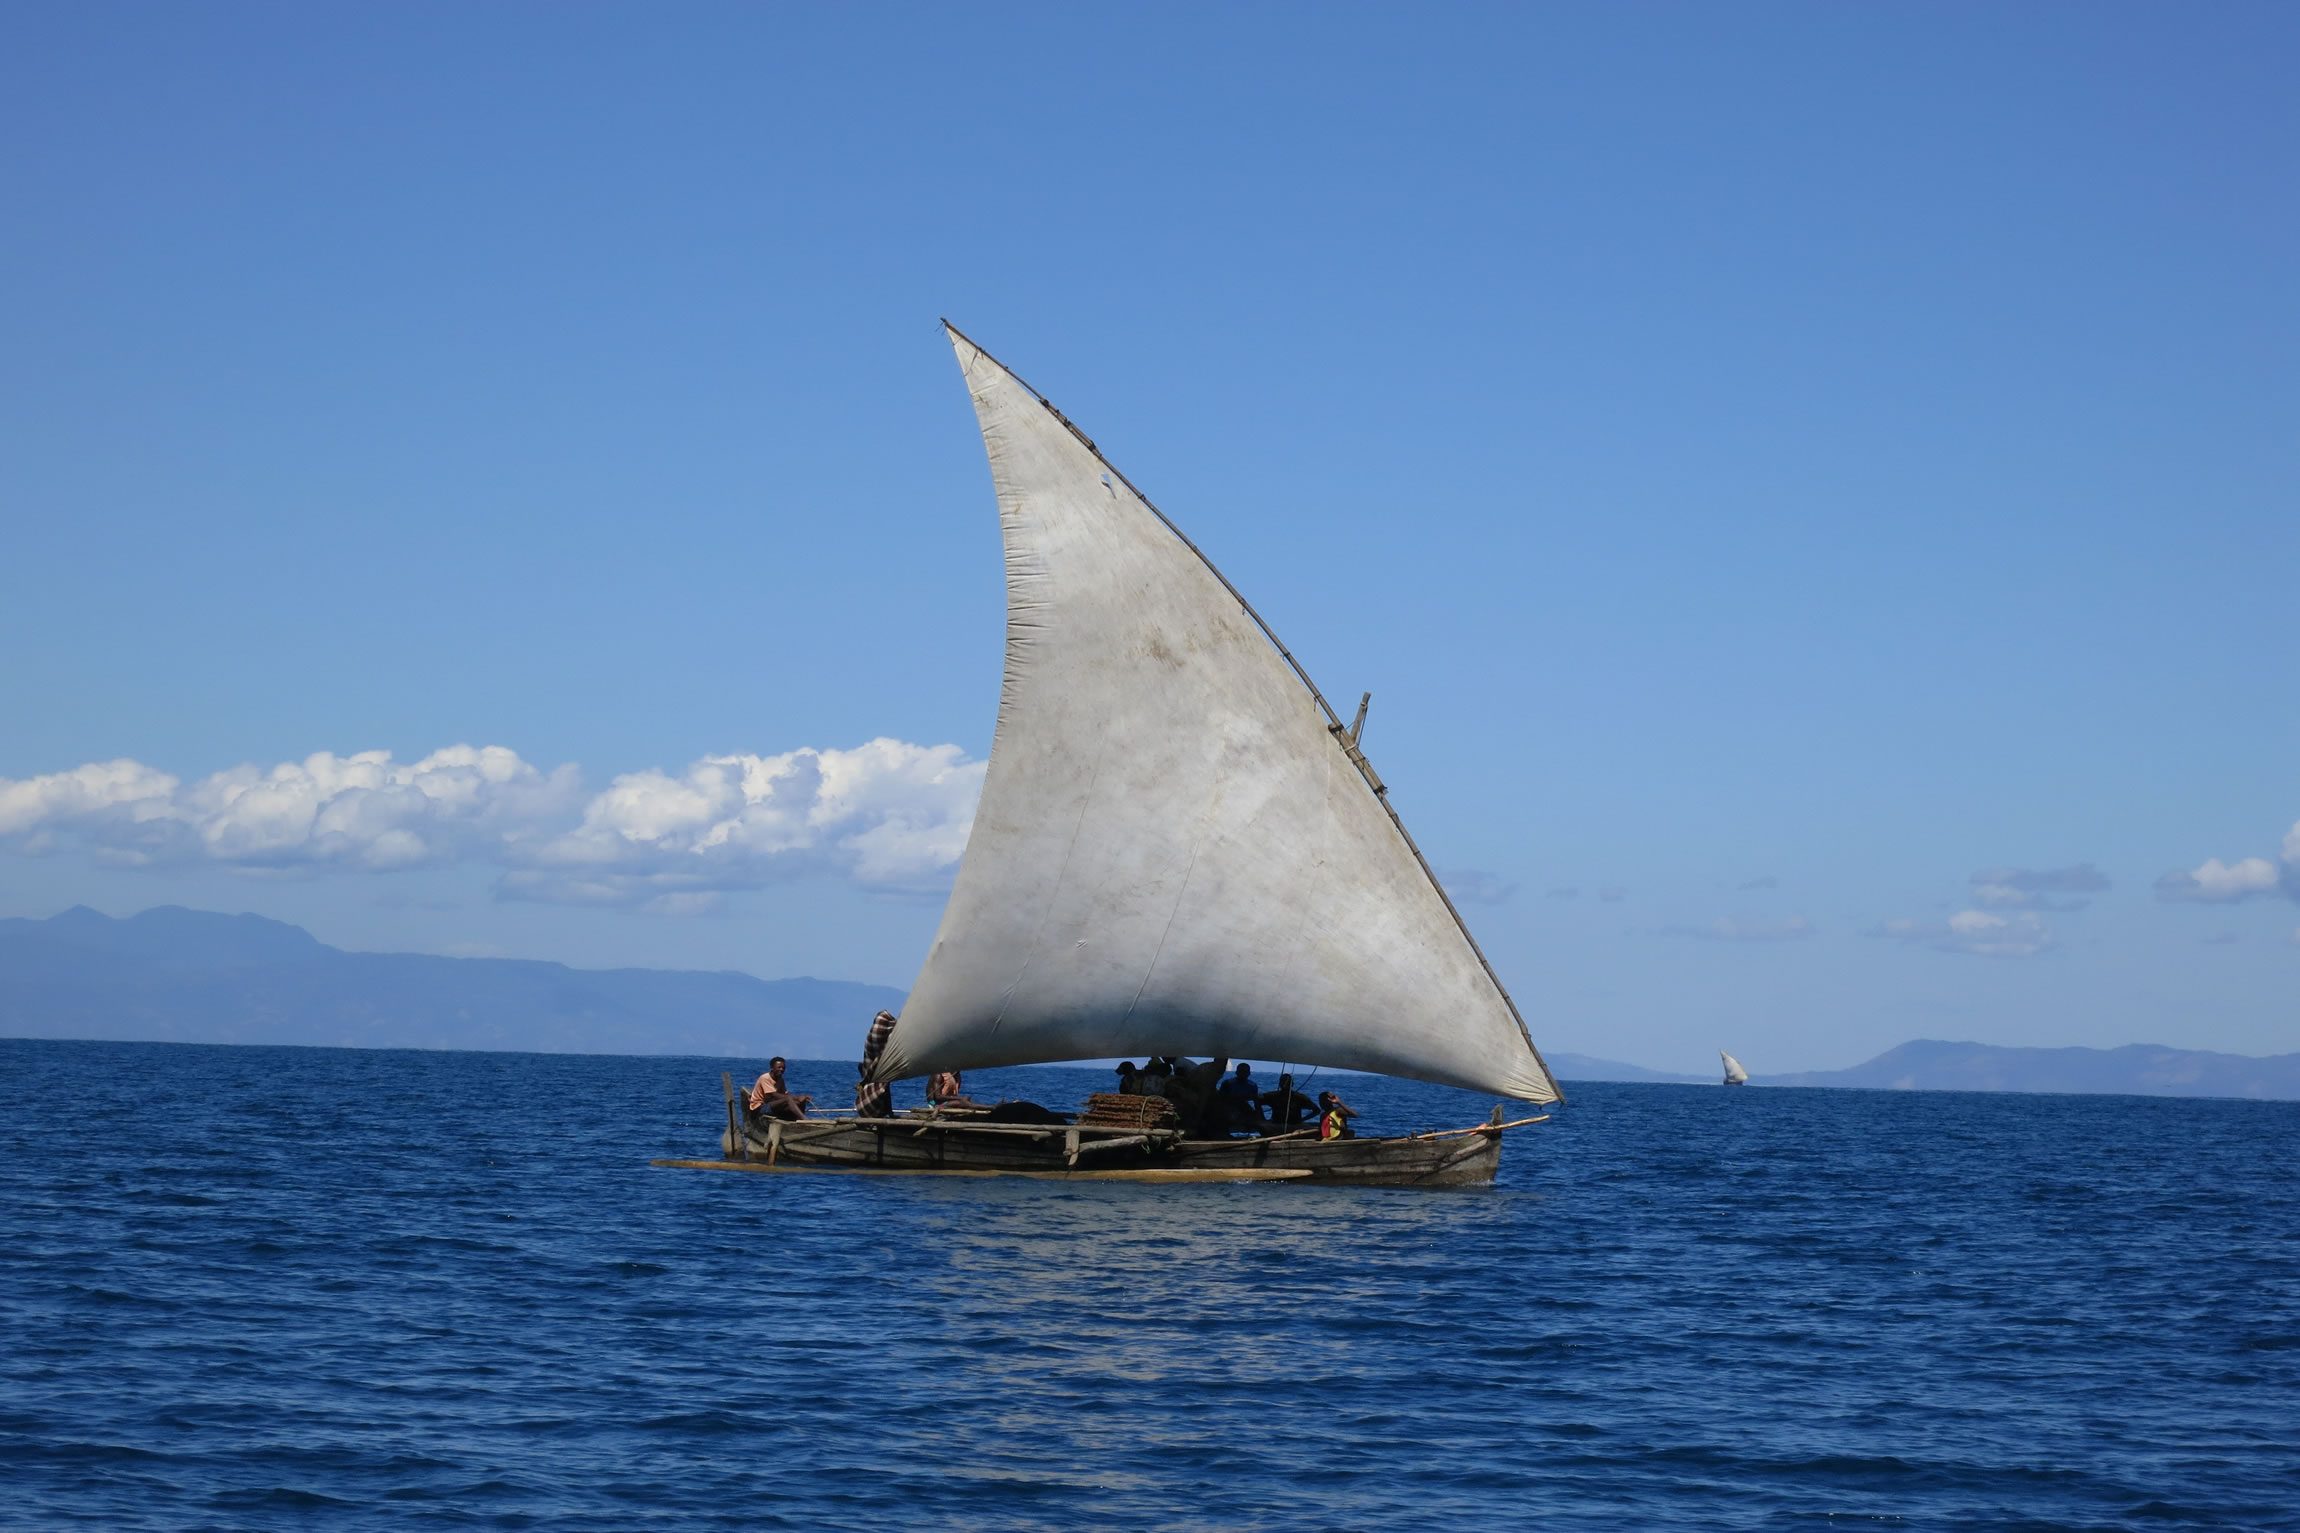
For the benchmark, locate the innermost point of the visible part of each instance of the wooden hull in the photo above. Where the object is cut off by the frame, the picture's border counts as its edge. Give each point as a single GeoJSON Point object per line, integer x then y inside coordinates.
{"type": "Point", "coordinates": [1465, 1157]}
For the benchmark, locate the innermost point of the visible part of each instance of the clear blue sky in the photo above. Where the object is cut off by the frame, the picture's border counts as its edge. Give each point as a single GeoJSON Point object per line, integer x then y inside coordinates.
{"type": "Point", "coordinates": [1772, 463]}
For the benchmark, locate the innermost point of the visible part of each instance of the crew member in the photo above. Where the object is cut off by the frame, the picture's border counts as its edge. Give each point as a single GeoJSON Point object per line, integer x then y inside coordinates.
{"type": "Point", "coordinates": [1334, 1117]}
{"type": "Point", "coordinates": [769, 1095]}
{"type": "Point", "coordinates": [1288, 1108]}
{"type": "Point", "coordinates": [1242, 1099]}
{"type": "Point", "coordinates": [874, 1041]}
{"type": "Point", "coordinates": [1192, 1089]}
{"type": "Point", "coordinates": [944, 1090]}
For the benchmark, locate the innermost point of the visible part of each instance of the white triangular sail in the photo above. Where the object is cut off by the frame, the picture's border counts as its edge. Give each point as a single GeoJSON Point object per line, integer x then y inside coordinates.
{"type": "Point", "coordinates": [1176, 851]}
{"type": "Point", "coordinates": [1734, 1074]}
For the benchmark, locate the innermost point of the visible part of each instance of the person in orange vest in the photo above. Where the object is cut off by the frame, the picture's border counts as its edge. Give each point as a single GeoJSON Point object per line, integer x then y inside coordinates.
{"type": "Point", "coordinates": [1334, 1117]}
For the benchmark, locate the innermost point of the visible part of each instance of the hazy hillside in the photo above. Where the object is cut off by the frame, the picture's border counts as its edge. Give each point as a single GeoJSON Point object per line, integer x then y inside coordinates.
{"type": "Point", "coordinates": [189, 976]}
{"type": "Point", "coordinates": [1581, 1067]}
{"type": "Point", "coordinates": [2138, 1069]}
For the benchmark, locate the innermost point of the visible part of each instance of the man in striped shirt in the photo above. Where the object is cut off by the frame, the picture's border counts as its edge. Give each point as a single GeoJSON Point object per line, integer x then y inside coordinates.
{"type": "Point", "coordinates": [874, 1041]}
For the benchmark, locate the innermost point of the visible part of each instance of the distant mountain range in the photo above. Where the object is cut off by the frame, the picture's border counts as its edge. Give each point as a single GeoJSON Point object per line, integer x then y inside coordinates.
{"type": "Point", "coordinates": [192, 976]}
{"type": "Point", "coordinates": [2137, 1069]}
{"type": "Point", "coordinates": [1581, 1067]}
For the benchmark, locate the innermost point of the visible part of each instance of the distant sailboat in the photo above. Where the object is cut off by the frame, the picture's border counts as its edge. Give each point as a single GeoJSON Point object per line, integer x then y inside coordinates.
{"type": "Point", "coordinates": [1734, 1074]}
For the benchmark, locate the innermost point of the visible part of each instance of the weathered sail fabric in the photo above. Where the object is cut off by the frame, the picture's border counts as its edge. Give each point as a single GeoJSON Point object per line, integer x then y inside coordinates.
{"type": "Point", "coordinates": [1173, 854]}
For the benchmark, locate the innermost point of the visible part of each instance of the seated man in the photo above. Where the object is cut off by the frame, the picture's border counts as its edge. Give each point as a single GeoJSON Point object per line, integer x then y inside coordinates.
{"type": "Point", "coordinates": [1334, 1117]}
{"type": "Point", "coordinates": [1288, 1109]}
{"type": "Point", "coordinates": [944, 1090]}
{"type": "Point", "coordinates": [1241, 1099]}
{"type": "Point", "coordinates": [769, 1095]}
{"type": "Point", "coordinates": [1129, 1080]}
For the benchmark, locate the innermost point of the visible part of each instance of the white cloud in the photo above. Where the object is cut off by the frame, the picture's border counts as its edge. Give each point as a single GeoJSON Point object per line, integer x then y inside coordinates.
{"type": "Point", "coordinates": [2214, 882]}
{"type": "Point", "coordinates": [2032, 888]}
{"type": "Point", "coordinates": [360, 811]}
{"type": "Point", "coordinates": [1736, 929]}
{"type": "Point", "coordinates": [888, 815]}
{"type": "Point", "coordinates": [123, 790]}
{"type": "Point", "coordinates": [2024, 935]}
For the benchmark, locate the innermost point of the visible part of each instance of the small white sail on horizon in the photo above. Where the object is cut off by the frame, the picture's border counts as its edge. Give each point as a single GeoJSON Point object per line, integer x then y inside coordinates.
{"type": "Point", "coordinates": [1734, 1074]}
{"type": "Point", "coordinates": [1179, 847]}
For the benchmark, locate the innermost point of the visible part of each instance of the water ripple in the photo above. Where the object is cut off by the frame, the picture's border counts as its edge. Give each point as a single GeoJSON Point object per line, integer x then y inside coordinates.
{"type": "Point", "coordinates": [391, 1289]}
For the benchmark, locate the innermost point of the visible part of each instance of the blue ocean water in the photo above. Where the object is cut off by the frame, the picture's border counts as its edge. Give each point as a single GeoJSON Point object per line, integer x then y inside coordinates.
{"type": "Point", "coordinates": [307, 1288]}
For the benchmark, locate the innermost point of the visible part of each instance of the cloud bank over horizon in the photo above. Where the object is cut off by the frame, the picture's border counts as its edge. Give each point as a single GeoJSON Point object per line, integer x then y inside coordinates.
{"type": "Point", "coordinates": [2034, 888]}
{"type": "Point", "coordinates": [890, 816]}
{"type": "Point", "coordinates": [1986, 930]}
{"type": "Point", "coordinates": [1982, 933]}
{"type": "Point", "coordinates": [2213, 882]}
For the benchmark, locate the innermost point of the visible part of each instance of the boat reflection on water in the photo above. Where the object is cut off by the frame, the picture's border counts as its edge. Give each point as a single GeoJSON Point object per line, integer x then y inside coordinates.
{"type": "Point", "coordinates": [1066, 1287]}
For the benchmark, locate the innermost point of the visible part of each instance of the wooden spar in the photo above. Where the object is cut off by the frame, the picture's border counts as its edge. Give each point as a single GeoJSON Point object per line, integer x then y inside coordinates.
{"type": "Point", "coordinates": [974, 1126]}
{"type": "Point", "coordinates": [960, 1125]}
{"type": "Point", "coordinates": [820, 1125]}
{"type": "Point", "coordinates": [1146, 1174]}
{"type": "Point", "coordinates": [1482, 1128]}
{"type": "Point", "coordinates": [1108, 1144]}
{"type": "Point", "coordinates": [736, 1144]}
{"type": "Point", "coordinates": [1340, 731]}
{"type": "Point", "coordinates": [784, 1126]}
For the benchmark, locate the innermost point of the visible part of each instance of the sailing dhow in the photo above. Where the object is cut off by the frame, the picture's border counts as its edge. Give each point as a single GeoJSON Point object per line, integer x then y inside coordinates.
{"type": "Point", "coordinates": [1180, 849]}
{"type": "Point", "coordinates": [1734, 1074]}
